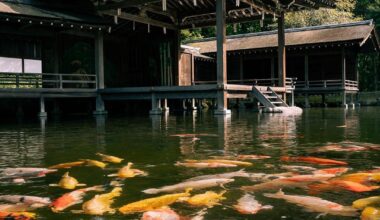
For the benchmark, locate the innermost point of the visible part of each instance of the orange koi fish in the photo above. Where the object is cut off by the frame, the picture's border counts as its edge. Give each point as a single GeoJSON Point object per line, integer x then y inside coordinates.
{"type": "Point", "coordinates": [17, 215]}
{"type": "Point", "coordinates": [361, 177]}
{"type": "Point", "coordinates": [335, 170]}
{"type": "Point", "coordinates": [67, 165]}
{"type": "Point", "coordinates": [252, 157]}
{"type": "Point", "coordinates": [72, 198]}
{"type": "Point", "coordinates": [314, 160]}
{"type": "Point", "coordinates": [341, 184]}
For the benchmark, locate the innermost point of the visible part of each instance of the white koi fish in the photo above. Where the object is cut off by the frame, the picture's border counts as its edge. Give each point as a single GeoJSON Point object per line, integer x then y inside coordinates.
{"type": "Point", "coordinates": [199, 184]}
{"type": "Point", "coordinates": [249, 205]}
{"type": "Point", "coordinates": [29, 200]}
{"type": "Point", "coordinates": [315, 204]}
{"type": "Point", "coordinates": [240, 173]}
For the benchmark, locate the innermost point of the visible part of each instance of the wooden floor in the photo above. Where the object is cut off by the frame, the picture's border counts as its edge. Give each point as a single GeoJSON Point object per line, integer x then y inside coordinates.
{"type": "Point", "coordinates": [47, 92]}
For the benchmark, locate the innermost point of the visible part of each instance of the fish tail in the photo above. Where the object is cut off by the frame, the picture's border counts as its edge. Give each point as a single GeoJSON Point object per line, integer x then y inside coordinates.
{"type": "Point", "coordinates": [95, 188]}
{"type": "Point", "coordinates": [222, 192]}
{"type": "Point", "coordinates": [116, 191]}
{"type": "Point", "coordinates": [243, 173]}
{"type": "Point", "coordinates": [277, 195]}
{"type": "Point", "coordinates": [151, 191]}
{"type": "Point", "coordinates": [188, 190]}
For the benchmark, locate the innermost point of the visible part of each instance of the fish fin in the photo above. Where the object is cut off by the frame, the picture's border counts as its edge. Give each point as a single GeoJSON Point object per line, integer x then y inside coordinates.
{"type": "Point", "coordinates": [151, 191]}
{"type": "Point", "coordinates": [112, 175]}
{"type": "Point", "coordinates": [222, 193]}
{"type": "Point", "coordinates": [320, 215]}
{"type": "Point", "coordinates": [54, 185]}
{"type": "Point", "coordinates": [188, 190]}
{"type": "Point", "coordinates": [81, 184]}
{"type": "Point", "coordinates": [267, 207]}
{"type": "Point", "coordinates": [223, 187]}
{"type": "Point", "coordinates": [77, 211]}
{"type": "Point", "coordinates": [66, 174]}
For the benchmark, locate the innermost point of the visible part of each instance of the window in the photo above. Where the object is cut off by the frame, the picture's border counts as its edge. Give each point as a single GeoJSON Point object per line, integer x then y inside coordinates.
{"type": "Point", "coordinates": [10, 65]}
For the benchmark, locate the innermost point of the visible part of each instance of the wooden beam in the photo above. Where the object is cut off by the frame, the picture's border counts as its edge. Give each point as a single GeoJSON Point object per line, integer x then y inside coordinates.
{"type": "Point", "coordinates": [141, 19]}
{"type": "Point", "coordinates": [260, 7]}
{"type": "Point", "coordinates": [126, 4]}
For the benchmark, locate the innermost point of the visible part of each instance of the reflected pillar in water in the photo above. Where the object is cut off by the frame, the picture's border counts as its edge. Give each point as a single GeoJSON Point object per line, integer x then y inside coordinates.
{"type": "Point", "coordinates": [159, 122]}
{"type": "Point", "coordinates": [193, 107]}
{"type": "Point", "coordinates": [165, 107]}
{"type": "Point", "coordinates": [100, 132]}
{"type": "Point", "coordinates": [43, 124]}
{"type": "Point", "coordinates": [42, 112]}
{"type": "Point", "coordinates": [224, 122]}
{"type": "Point", "coordinates": [344, 100]}
{"type": "Point", "coordinates": [307, 103]}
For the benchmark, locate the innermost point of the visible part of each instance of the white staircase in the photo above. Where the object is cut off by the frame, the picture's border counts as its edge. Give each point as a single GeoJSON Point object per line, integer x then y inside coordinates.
{"type": "Point", "coordinates": [268, 98]}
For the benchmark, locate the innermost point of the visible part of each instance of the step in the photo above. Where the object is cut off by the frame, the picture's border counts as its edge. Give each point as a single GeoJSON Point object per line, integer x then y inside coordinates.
{"type": "Point", "coordinates": [271, 97]}
{"type": "Point", "coordinates": [277, 103]}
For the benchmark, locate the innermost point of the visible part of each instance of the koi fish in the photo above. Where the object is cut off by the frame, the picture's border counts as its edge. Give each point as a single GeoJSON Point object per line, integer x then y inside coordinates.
{"type": "Point", "coordinates": [128, 172]}
{"type": "Point", "coordinates": [101, 204]}
{"type": "Point", "coordinates": [240, 173]}
{"type": "Point", "coordinates": [153, 203]}
{"type": "Point", "coordinates": [28, 200]}
{"type": "Point", "coordinates": [298, 168]}
{"type": "Point", "coordinates": [314, 160]}
{"type": "Point", "coordinates": [193, 135]}
{"type": "Point", "coordinates": [370, 213]}
{"type": "Point", "coordinates": [249, 205]}
{"type": "Point", "coordinates": [341, 184]}
{"type": "Point", "coordinates": [72, 198]}
{"type": "Point", "coordinates": [288, 182]}
{"type": "Point", "coordinates": [204, 165]}
{"type": "Point", "coordinates": [208, 199]}
{"type": "Point", "coordinates": [198, 184]}
{"type": "Point", "coordinates": [233, 162]}
{"type": "Point", "coordinates": [109, 158]}
{"type": "Point", "coordinates": [340, 148]}
{"type": "Point", "coordinates": [361, 177]}
{"type": "Point", "coordinates": [161, 214]}
{"type": "Point", "coordinates": [315, 204]}
{"type": "Point", "coordinates": [21, 207]}
{"type": "Point", "coordinates": [252, 157]}
{"type": "Point", "coordinates": [263, 177]}
{"type": "Point", "coordinates": [94, 163]}
{"type": "Point", "coordinates": [17, 215]}
{"type": "Point", "coordinates": [362, 203]}
{"type": "Point", "coordinates": [24, 173]}
{"type": "Point", "coordinates": [67, 165]}
{"type": "Point", "coordinates": [335, 170]}
{"type": "Point", "coordinates": [68, 182]}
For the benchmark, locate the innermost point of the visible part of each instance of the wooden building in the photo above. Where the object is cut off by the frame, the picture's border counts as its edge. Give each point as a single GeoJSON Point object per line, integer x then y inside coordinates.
{"type": "Point", "coordinates": [122, 49]}
{"type": "Point", "coordinates": [322, 59]}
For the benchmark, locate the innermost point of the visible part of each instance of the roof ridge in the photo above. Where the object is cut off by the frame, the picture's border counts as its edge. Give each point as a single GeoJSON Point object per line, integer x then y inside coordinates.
{"type": "Point", "coordinates": [290, 30]}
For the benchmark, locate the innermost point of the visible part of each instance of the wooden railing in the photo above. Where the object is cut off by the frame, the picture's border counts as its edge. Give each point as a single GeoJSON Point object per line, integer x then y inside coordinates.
{"type": "Point", "coordinates": [348, 84]}
{"type": "Point", "coordinates": [47, 80]}
{"type": "Point", "coordinates": [290, 82]}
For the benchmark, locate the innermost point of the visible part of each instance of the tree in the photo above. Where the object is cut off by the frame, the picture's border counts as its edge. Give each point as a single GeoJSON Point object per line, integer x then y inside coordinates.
{"type": "Point", "coordinates": [343, 13]}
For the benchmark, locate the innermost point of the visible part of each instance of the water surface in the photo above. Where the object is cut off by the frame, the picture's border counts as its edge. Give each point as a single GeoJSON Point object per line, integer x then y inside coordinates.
{"type": "Point", "coordinates": [147, 142]}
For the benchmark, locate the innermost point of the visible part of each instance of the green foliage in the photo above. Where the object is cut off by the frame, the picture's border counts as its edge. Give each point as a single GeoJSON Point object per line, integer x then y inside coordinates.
{"type": "Point", "coordinates": [343, 13]}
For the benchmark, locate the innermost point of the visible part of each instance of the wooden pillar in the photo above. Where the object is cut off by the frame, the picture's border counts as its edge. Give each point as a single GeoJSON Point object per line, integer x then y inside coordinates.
{"type": "Point", "coordinates": [375, 65]}
{"type": "Point", "coordinates": [221, 63]}
{"type": "Point", "coordinates": [241, 68]}
{"type": "Point", "coordinates": [343, 63]}
{"type": "Point", "coordinates": [156, 106]}
{"type": "Point", "coordinates": [99, 60]}
{"type": "Point", "coordinates": [272, 76]}
{"type": "Point", "coordinates": [306, 70]}
{"type": "Point", "coordinates": [281, 51]}
{"type": "Point", "coordinates": [99, 70]}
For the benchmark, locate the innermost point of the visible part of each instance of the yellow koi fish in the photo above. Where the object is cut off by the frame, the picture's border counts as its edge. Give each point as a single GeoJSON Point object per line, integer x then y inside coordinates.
{"type": "Point", "coordinates": [128, 172]}
{"type": "Point", "coordinates": [370, 213]}
{"type": "Point", "coordinates": [67, 165]}
{"type": "Point", "coordinates": [68, 182]}
{"type": "Point", "coordinates": [109, 158]}
{"type": "Point", "coordinates": [208, 199]}
{"type": "Point", "coordinates": [94, 163]}
{"type": "Point", "coordinates": [101, 204]}
{"type": "Point", "coordinates": [153, 203]}
{"type": "Point", "coordinates": [362, 203]}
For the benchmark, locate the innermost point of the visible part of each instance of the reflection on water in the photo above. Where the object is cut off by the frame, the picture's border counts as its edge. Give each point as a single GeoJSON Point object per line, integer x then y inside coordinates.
{"type": "Point", "coordinates": [148, 142]}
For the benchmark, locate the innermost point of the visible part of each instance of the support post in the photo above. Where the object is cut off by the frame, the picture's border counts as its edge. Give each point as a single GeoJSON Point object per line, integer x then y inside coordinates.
{"type": "Point", "coordinates": [306, 70]}
{"type": "Point", "coordinates": [281, 52]}
{"type": "Point", "coordinates": [42, 112]}
{"type": "Point", "coordinates": [99, 69]}
{"type": "Point", "coordinates": [241, 68]}
{"type": "Point", "coordinates": [272, 71]}
{"type": "Point", "coordinates": [165, 107]}
{"type": "Point", "coordinates": [193, 106]}
{"type": "Point", "coordinates": [156, 106]}
{"type": "Point", "coordinates": [344, 100]}
{"type": "Point", "coordinates": [221, 58]}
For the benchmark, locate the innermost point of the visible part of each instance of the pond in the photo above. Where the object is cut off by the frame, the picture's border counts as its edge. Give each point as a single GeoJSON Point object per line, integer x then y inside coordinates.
{"type": "Point", "coordinates": [152, 145]}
